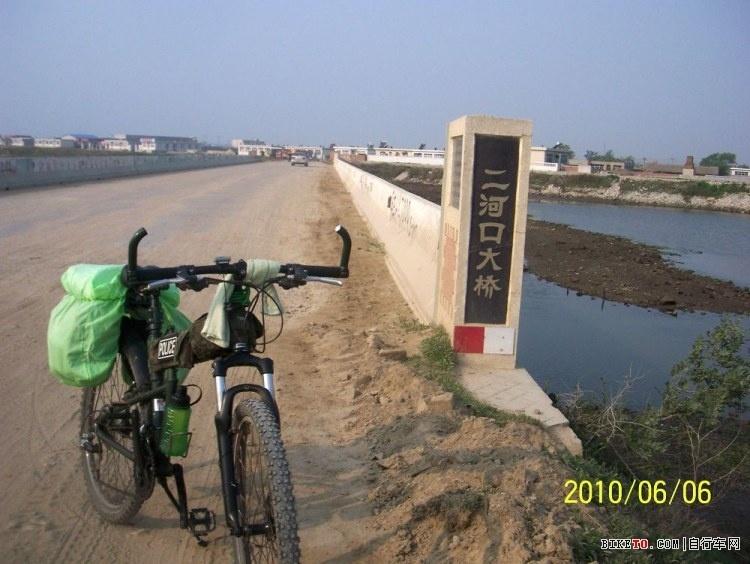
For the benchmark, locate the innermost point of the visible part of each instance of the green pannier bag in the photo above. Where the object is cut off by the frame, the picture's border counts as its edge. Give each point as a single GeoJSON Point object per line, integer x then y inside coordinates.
{"type": "Point", "coordinates": [84, 328]}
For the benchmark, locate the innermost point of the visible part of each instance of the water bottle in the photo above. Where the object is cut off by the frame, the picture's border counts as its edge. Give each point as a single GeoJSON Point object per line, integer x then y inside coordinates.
{"type": "Point", "coordinates": [174, 435]}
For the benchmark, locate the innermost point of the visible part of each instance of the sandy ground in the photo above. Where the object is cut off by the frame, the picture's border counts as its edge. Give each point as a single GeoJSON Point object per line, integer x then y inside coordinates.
{"type": "Point", "coordinates": [267, 210]}
{"type": "Point", "coordinates": [384, 468]}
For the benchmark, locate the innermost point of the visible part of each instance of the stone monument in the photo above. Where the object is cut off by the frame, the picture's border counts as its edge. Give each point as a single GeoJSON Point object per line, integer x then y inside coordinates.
{"type": "Point", "coordinates": [483, 231]}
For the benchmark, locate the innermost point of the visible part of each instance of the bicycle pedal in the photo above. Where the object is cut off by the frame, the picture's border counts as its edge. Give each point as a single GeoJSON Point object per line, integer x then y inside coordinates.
{"type": "Point", "coordinates": [201, 521]}
{"type": "Point", "coordinates": [86, 443]}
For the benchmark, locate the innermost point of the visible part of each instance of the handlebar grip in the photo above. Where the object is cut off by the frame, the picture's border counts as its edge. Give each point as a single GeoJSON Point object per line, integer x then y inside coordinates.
{"type": "Point", "coordinates": [133, 248]}
{"type": "Point", "coordinates": [326, 271]}
{"type": "Point", "coordinates": [346, 249]}
{"type": "Point", "coordinates": [129, 272]}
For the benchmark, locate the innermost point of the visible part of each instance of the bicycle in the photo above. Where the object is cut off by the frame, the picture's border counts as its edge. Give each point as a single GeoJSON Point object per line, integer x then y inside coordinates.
{"type": "Point", "coordinates": [125, 419]}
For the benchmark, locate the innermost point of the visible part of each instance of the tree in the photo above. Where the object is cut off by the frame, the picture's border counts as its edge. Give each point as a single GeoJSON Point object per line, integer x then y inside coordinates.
{"type": "Point", "coordinates": [609, 156]}
{"type": "Point", "coordinates": [565, 147]}
{"type": "Point", "coordinates": [721, 160]}
{"type": "Point", "coordinates": [421, 146]}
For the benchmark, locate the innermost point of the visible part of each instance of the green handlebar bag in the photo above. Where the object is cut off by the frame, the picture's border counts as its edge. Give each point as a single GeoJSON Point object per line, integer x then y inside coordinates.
{"type": "Point", "coordinates": [83, 334]}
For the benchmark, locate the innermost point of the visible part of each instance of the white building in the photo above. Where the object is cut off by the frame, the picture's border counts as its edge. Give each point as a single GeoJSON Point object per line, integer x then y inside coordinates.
{"type": "Point", "coordinates": [739, 171]}
{"type": "Point", "coordinates": [161, 143]}
{"type": "Point", "coordinates": [53, 143]}
{"type": "Point", "coordinates": [255, 149]}
{"type": "Point", "coordinates": [314, 151]}
{"type": "Point", "coordinates": [428, 157]}
{"type": "Point", "coordinates": [84, 141]}
{"type": "Point", "coordinates": [349, 150]}
{"type": "Point", "coordinates": [115, 145]}
{"type": "Point", "coordinates": [21, 141]}
{"type": "Point", "coordinates": [236, 143]}
{"type": "Point", "coordinates": [537, 161]}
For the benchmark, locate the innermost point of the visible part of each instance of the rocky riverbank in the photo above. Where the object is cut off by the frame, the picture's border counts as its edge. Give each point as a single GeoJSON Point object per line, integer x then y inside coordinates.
{"type": "Point", "coordinates": [733, 202]}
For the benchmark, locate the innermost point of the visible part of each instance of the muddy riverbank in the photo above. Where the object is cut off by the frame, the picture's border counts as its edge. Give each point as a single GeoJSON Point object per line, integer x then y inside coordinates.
{"type": "Point", "coordinates": [605, 266]}
{"type": "Point", "coordinates": [615, 268]}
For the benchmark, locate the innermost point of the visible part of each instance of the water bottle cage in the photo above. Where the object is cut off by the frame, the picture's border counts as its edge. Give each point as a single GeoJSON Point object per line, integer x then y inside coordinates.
{"type": "Point", "coordinates": [172, 439]}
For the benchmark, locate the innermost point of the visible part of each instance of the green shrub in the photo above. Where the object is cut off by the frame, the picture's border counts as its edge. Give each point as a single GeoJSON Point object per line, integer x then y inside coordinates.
{"type": "Point", "coordinates": [686, 188]}
{"type": "Point", "coordinates": [539, 180]}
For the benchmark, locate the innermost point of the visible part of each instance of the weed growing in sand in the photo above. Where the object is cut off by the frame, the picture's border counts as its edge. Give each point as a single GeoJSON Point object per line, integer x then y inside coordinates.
{"type": "Point", "coordinates": [458, 507]}
{"type": "Point", "coordinates": [438, 363]}
{"type": "Point", "coordinates": [375, 246]}
{"type": "Point", "coordinates": [411, 325]}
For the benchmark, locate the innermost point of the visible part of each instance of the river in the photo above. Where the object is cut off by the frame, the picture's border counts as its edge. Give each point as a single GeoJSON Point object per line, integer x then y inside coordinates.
{"type": "Point", "coordinates": [567, 341]}
{"type": "Point", "coordinates": [712, 243]}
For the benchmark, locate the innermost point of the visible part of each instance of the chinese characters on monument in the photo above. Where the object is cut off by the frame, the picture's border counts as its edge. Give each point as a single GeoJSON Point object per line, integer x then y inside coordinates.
{"type": "Point", "coordinates": [493, 204]}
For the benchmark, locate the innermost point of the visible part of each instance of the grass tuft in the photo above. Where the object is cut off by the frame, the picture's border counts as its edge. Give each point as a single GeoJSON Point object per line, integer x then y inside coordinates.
{"type": "Point", "coordinates": [438, 363]}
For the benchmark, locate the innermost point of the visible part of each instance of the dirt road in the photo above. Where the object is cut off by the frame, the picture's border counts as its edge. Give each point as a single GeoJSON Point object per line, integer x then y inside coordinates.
{"type": "Point", "coordinates": [384, 468]}
{"type": "Point", "coordinates": [266, 210]}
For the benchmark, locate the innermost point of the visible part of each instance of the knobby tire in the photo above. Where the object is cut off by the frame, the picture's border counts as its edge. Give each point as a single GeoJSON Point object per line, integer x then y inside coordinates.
{"type": "Point", "coordinates": [265, 487]}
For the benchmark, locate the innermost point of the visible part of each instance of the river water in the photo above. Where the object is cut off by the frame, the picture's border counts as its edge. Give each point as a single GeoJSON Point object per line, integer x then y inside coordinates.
{"type": "Point", "coordinates": [713, 243]}
{"type": "Point", "coordinates": [567, 341]}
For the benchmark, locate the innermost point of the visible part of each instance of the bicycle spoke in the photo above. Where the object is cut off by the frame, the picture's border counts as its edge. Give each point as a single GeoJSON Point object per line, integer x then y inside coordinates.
{"type": "Point", "coordinates": [113, 471]}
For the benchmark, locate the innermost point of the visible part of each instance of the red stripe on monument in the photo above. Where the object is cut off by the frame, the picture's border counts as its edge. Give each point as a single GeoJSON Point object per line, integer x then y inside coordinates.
{"type": "Point", "coordinates": [468, 339]}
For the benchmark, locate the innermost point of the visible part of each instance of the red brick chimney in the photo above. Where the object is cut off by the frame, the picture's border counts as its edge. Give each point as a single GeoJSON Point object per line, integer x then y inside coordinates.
{"type": "Point", "coordinates": [689, 162]}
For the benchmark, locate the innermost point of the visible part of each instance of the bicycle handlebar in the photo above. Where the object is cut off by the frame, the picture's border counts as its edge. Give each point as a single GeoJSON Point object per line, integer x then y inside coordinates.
{"type": "Point", "coordinates": [134, 275]}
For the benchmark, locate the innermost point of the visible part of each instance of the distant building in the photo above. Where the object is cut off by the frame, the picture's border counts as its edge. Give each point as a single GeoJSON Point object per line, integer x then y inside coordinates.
{"type": "Point", "coordinates": [348, 150]}
{"type": "Point", "coordinates": [162, 144]}
{"type": "Point", "coordinates": [236, 143]}
{"type": "Point", "coordinates": [577, 166]}
{"type": "Point", "coordinates": [654, 168]}
{"type": "Point", "coordinates": [559, 154]}
{"type": "Point", "coordinates": [256, 149]}
{"type": "Point", "coordinates": [606, 166]}
{"type": "Point", "coordinates": [53, 143]}
{"type": "Point", "coordinates": [115, 145]}
{"type": "Point", "coordinates": [21, 141]}
{"type": "Point", "coordinates": [158, 143]}
{"type": "Point", "coordinates": [538, 162]}
{"type": "Point", "coordinates": [739, 171]}
{"type": "Point", "coordinates": [217, 150]}
{"type": "Point", "coordinates": [83, 141]}
{"type": "Point", "coordinates": [312, 151]}
{"type": "Point", "coordinates": [427, 157]}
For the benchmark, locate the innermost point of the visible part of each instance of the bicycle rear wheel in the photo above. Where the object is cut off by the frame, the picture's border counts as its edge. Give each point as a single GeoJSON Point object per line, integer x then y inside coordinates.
{"type": "Point", "coordinates": [265, 498]}
{"type": "Point", "coordinates": [110, 477]}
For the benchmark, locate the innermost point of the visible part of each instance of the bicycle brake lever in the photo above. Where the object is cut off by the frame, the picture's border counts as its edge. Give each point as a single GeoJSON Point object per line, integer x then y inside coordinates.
{"type": "Point", "coordinates": [331, 281]}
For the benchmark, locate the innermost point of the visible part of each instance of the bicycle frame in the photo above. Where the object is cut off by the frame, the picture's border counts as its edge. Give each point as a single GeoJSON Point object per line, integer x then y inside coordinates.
{"type": "Point", "coordinates": [145, 433]}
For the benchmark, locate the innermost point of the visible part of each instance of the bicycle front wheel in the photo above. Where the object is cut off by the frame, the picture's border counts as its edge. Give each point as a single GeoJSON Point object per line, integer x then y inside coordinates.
{"type": "Point", "coordinates": [265, 498]}
{"type": "Point", "coordinates": [110, 476]}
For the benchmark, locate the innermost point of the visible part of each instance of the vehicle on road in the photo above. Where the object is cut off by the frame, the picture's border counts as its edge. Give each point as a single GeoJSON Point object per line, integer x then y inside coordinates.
{"type": "Point", "coordinates": [299, 159]}
{"type": "Point", "coordinates": [136, 421]}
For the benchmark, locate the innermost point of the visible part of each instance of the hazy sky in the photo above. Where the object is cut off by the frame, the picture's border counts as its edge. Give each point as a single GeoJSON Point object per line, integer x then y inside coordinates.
{"type": "Point", "coordinates": [649, 78]}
